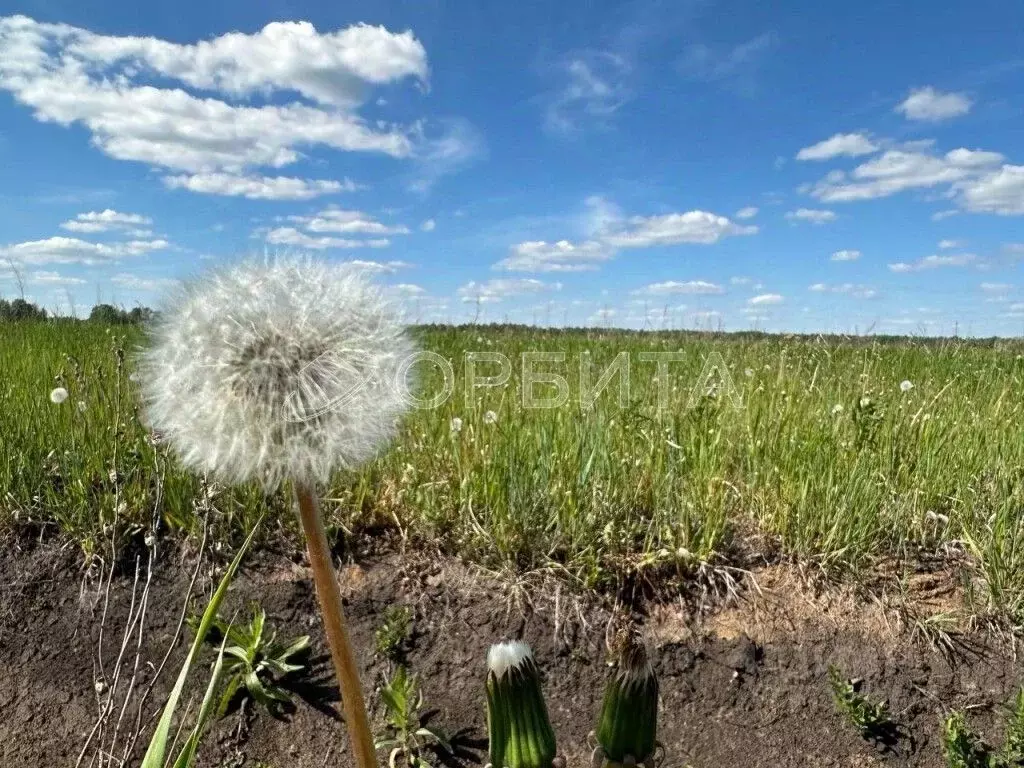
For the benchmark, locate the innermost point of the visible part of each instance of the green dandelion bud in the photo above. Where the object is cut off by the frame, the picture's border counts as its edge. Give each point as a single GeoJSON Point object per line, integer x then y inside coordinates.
{"type": "Point", "coordinates": [517, 717]}
{"type": "Point", "coordinates": [628, 724]}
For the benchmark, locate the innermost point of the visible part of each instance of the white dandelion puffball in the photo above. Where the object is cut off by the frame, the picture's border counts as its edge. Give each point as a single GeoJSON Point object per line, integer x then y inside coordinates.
{"type": "Point", "coordinates": [906, 385]}
{"type": "Point", "coordinates": [58, 395]}
{"type": "Point", "coordinates": [490, 417]}
{"type": "Point", "coordinates": [456, 425]}
{"type": "Point", "coordinates": [275, 371]}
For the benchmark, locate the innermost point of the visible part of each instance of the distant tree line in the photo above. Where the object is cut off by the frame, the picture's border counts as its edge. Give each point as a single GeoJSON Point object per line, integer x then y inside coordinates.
{"type": "Point", "coordinates": [108, 314]}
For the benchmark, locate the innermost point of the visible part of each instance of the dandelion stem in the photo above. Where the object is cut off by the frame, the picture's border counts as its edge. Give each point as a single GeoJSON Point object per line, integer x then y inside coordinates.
{"type": "Point", "coordinates": [334, 622]}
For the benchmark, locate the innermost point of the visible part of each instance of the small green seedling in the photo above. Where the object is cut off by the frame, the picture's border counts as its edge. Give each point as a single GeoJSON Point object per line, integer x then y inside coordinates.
{"type": "Point", "coordinates": [256, 663]}
{"type": "Point", "coordinates": [408, 739]}
{"type": "Point", "coordinates": [1013, 747]}
{"type": "Point", "coordinates": [962, 747]}
{"type": "Point", "coordinates": [392, 636]}
{"type": "Point", "coordinates": [871, 719]}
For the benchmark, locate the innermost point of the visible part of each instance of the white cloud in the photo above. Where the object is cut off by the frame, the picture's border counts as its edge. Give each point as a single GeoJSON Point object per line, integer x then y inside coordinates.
{"type": "Point", "coordinates": [69, 75]}
{"type": "Point", "coordinates": [747, 213]}
{"type": "Point", "coordinates": [428, 226]}
{"type": "Point", "coordinates": [54, 278]}
{"type": "Point", "coordinates": [136, 283]}
{"type": "Point", "coordinates": [941, 215]}
{"type": "Point", "coordinates": [935, 261]}
{"type": "Point", "coordinates": [729, 64]}
{"type": "Point", "coordinates": [812, 215]}
{"type": "Point", "coordinates": [592, 87]}
{"type": "Point", "coordinates": [561, 256]}
{"type": "Point", "coordinates": [932, 105]}
{"type": "Point", "coordinates": [845, 255]}
{"type": "Point", "coordinates": [256, 187]}
{"type": "Point", "coordinates": [449, 147]}
{"type": "Point", "coordinates": [673, 287]}
{"type": "Point", "coordinates": [71, 250]}
{"type": "Point", "coordinates": [996, 288]}
{"type": "Point", "coordinates": [408, 290]}
{"type": "Point", "coordinates": [898, 170]}
{"type": "Point", "coordinates": [675, 228]}
{"type": "Point", "coordinates": [848, 144]}
{"type": "Point", "coordinates": [338, 221]}
{"type": "Point", "coordinates": [107, 220]}
{"type": "Point", "coordinates": [765, 299]}
{"type": "Point", "coordinates": [856, 290]}
{"type": "Point", "coordinates": [493, 291]}
{"type": "Point", "coordinates": [602, 316]}
{"type": "Point", "coordinates": [611, 232]}
{"type": "Point", "coordinates": [389, 267]}
{"type": "Point", "coordinates": [945, 245]}
{"type": "Point", "coordinates": [999, 192]}
{"type": "Point", "coordinates": [292, 236]}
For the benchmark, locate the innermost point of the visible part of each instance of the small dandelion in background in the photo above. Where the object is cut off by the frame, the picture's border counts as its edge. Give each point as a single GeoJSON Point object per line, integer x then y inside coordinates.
{"type": "Point", "coordinates": [58, 395]}
{"type": "Point", "coordinates": [837, 409]}
{"type": "Point", "coordinates": [81, 406]}
{"type": "Point", "coordinates": [456, 425]}
{"type": "Point", "coordinates": [490, 417]}
{"type": "Point", "coordinates": [906, 385]}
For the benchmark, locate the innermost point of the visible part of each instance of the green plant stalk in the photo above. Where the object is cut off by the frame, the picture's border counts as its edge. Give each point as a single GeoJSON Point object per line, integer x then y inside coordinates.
{"type": "Point", "coordinates": [518, 725]}
{"type": "Point", "coordinates": [157, 750]}
{"type": "Point", "coordinates": [187, 755]}
{"type": "Point", "coordinates": [329, 595]}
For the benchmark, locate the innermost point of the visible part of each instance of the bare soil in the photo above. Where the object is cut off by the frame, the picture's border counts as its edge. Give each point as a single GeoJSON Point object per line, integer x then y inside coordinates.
{"type": "Point", "coordinates": [742, 686]}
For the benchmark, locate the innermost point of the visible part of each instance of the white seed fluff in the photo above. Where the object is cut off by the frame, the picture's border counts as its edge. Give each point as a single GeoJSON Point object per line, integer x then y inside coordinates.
{"type": "Point", "coordinates": [283, 370]}
{"type": "Point", "coordinates": [906, 385]}
{"type": "Point", "coordinates": [505, 656]}
{"type": "Point", "coordinates": [58, 395]}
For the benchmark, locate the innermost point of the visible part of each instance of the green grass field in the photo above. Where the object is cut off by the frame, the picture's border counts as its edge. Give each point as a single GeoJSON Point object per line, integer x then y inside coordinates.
{"type": "Point", "coordinates": [826, 459]}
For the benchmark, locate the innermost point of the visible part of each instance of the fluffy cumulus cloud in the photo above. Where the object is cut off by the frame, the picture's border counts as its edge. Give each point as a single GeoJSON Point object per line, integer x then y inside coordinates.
{"type": "Point", "coordinates": [109, 220]}
{"type": "Point", "coordinates": [256, 187]}
{"type": "Point", "coordinates": [71, 250]}
{"type": "Point", "coordinates": [560, 256]}
{"type": "Point", "coordinates": [811, 215]}
{"type": "Point", "coordinates": [1000, 192]}
{"type": "Point", "coordinates": [697, 227]}
{"type": "Point", "coordinates": [898, 170]}
{"type": "Point", "coordinates": [848, 144]}
{"type": "Point", "coordinates": [492, 291]}
{"type": "Point", "coordinates": [765, 300]}
{"type": "Point", "coordinates": [845, 255]}
{"type": "Point", "coordinates": [747, 213]}
{"type": "Point", "coordinates": [334, 227]}
{"type": "Point", "coordinates": [673, 287]}
{"type": "Point", "coordinates": [293, 237]}
{"type": "Point", "coordinates": [612, 233]}
{"type": "Point", "coordinates": [935, 261]}
{"type": "Point", "coordinates": [42, 277]}
{"type": "Point", "coordinates": [109, 85]}
{"type": "Point", "coordinates": [931, 105]}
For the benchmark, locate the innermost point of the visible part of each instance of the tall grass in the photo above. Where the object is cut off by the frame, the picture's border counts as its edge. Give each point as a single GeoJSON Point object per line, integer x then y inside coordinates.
{"type": "Point", "coordinates": [828, 458]}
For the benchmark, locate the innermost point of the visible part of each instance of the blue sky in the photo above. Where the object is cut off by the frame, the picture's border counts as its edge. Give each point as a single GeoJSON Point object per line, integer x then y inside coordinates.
{"type": "Point", "coordinates": [796, 166]}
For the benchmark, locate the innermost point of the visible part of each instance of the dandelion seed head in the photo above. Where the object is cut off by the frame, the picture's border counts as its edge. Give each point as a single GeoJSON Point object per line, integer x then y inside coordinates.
{"type": "Point", "coordinates": [455, 425]}
{"type": "Point", "coordinates": [58, 395]}
{"type": "Point", "coordinates": [490, 417]}
{"type": "Point", "coordinates": [271, 371]}
{"type": "Point", "coordinates": [906, 385]}
{"type": "Point", "coordinates": [503, 657]}
{"type": "Point", "coordinates": [837, 409]}
{"type": "Point", "coordinates": [81, 406]}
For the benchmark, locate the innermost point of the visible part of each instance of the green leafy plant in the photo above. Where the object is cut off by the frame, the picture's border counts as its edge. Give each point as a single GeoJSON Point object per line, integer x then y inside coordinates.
{"type": "Point", "coordinates": [408, 738]}
{"type": "Point", "coordinates": [156, 752]}
{"type": "Point", "coordinates": [1012, 753]}
{"type": "Point", "coordinates": [870, 718]}
{"type": "Point", "coordinates": [392, 637]}
{"type": "Point", "coordinates": [962, 747]}
{"type": "Point", "coordinates": [256, 663]}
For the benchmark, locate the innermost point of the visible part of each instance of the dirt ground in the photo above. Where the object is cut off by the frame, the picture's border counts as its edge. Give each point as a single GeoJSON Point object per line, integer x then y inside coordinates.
{"type": "Point", "coordinates": [744, 686]}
